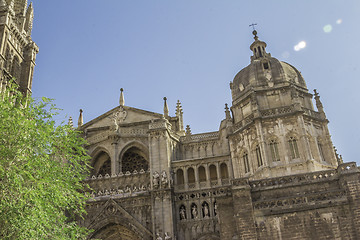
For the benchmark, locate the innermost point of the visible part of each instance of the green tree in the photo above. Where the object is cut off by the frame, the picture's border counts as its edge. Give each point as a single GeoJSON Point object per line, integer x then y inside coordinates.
{"type": "Point", "coordinates": [41, 169]}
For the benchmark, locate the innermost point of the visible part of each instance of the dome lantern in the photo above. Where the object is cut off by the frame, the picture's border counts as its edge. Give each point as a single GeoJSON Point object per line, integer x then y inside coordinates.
{"type": "Point", "coordinates": [258, 48]}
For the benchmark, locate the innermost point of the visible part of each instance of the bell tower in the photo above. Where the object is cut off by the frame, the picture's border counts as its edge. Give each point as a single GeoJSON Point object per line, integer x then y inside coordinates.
{"type": "Point", "coordinates": [276, 129]}
{"type": "Point", "coordinates": [17, 49]}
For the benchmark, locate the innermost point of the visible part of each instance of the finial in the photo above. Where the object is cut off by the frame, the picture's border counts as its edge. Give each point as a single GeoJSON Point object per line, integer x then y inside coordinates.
{"type": "Point", "coordinates": [319, 105]}
{"type": "Point", "coordinates": [227, 112]}
{"type": "Point", "coordinates": [178, 108]}
{"type": "Point", "coordinates": [122, 99]}
{"type": "Point", "coordinates": [166, 108]}
{"type": "Point", "coordinates": [254, 31]}
{"type": "Point", "coordinates": [188, 130]}
{"type": "Point", "coordinates": [81, 119]}
{"type": "Point", "coordinates": [71, 123]}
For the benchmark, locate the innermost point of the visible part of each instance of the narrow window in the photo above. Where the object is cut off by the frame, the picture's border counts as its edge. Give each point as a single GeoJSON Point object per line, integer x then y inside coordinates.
{"type": "Point", "coordinates": [266, 65]}
{"type": "Point", "coordinates": [274, 150]}
{"type": "Point", "coordinates": [260, 54]}
{"type": "Point", "coordinates": [246, 162]}
{"type": "Point", "coordinates": [294, 151]}
{"type": "Point", "coordinates": [258, 156]}
{"type": "Point", "coordinates": [321, 152]}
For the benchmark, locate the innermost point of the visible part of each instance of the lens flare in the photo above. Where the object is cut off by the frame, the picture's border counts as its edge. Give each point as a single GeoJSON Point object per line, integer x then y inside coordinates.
{"type": "Point", "coordinates": [285, 54]}
{"type": "Point", "coordinates": [327, 28]}
{"type": "Point", "coordinates": [339, 21]}
{"type": "Point", "coordinates": [300, 46]}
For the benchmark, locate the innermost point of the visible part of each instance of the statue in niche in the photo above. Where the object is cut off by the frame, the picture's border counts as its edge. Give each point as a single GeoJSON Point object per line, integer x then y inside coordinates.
{"type": "Point", "coordinates": [158, 237]}
{"type": "Point", "coordinates": [182, 213]}
{"type": "Point", "coordinates": [164, 179]}
{"type": "Point", "coordinates": [194, 211]}
{"type": "Point", "coordinates": [215, 208]}
{"type": "Point", "coordinates": [206, 210]}
{"type": "Point", "coordinates": [156, 179]}
{"type": "Point", "coordinates": [167, 237]}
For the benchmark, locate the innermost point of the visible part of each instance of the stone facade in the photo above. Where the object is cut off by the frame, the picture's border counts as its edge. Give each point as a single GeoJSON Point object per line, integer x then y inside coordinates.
{"type": "Point", "coordinates": [17, 49]}
{"type": "Point", "coordinates": [269, 172]}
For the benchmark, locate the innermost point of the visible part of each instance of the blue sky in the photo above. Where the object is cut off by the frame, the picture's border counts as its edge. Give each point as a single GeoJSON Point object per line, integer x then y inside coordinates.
{"type": "Point", "coordinates": [191, 50]}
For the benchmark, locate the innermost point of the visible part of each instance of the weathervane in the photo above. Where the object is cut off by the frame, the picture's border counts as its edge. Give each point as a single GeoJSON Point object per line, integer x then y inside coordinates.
{"type": "Point", "coordinates": [253, 25]}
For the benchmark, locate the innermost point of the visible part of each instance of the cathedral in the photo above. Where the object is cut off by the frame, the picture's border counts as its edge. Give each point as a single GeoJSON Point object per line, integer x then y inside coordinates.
{"type": "Point", "coordinates": [269, 172]}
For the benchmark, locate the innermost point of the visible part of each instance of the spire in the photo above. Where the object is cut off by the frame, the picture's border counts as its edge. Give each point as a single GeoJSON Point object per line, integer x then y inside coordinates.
{"type": "Point", "coordinates": [81, 119]}
{"type": "Point", "coordinates": [166, 108]}
{"type": "Point", "coordinates": [179, 114]}
{"type": "Point", "coordinates": [71, 123]}
{"type": "Point", "coordinates": [29, 18]}
{"type": "Point", "coordinates": [227, 112]}
{"type": "Point", "coordinates": [122, 99]}
{"type": "Point", "coordinates": [188, 132]}
{"type": "Point", "coordinates": [319, 105]}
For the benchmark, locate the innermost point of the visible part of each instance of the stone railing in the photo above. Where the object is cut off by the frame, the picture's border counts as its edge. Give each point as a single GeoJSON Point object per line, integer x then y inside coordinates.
{"type": "Point", "coordinates": [293, 179]}
{"type": "Point", "coordinates": [276, 111]}
{"type": "Point", "coordinates": [312, 113]}
{"type": "Point", "coordinates": [205, 136]}
{"type": "Point", "coordinates": [344, 168]}
{"type": "Point", "coordinates": [98, 137]}
{"type": "Point", "coordinates": [202, 185]}
{"type": "Point", "coordinates": [121, 185]}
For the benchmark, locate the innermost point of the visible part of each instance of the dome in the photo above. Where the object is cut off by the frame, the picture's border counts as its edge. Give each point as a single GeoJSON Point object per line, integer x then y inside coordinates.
{"type": "Point", "coordinates": [265, 71]}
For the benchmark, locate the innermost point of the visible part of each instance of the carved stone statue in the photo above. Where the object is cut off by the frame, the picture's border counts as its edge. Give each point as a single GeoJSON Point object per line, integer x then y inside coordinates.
{"type": "Point", "coordinates": [206, 210]}
{"type": "Point", "coordinates": [167, 237]}
{"type": "Point", "coordinates": [158, 237]}
{"type": "Point", "coordinates": [156, 179]}
{"type": "Point", "coordinates": [164, 179]}
{"type": "Point", "coordinates": [182, 213]}
{"type": "Point", "coordinates": [194, 211]}
{"type": "Point", "coordinates": [215, 208]}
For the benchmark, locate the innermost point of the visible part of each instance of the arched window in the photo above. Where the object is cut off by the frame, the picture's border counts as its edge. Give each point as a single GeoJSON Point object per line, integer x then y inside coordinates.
{"type": "Point", "coordinates": [15, 68]}
{"type": "Point", "coordinates": [202, 174]}
{"type": "Point", "coordinates": [133, 159]}
{"type": "Point", "coordinates": [274, 150]}
{"type": "Point", "coordinates": [294, 151]}
{"type": "Point", "coordinates": [102, 164]}
{"type": "Point", "coordinates": [179, 177]}
{"type": "Point", "coordinates": [246, 162]}
{"type": "Point", "coordinates": [258, 155]}
{"type": "Point", "coordinates": [213, 173]}
{"type": "Point", "coordinates": [191, 175]}
{"type": "Point", "coordinates": [224, 171]}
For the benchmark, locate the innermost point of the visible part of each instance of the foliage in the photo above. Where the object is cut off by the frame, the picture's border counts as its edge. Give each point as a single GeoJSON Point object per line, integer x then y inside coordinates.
{"type": "Point", "coordinates": [41, 168]}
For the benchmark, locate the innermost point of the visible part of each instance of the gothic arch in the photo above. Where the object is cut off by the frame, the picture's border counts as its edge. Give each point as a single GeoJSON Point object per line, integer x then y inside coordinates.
{"type": "Point", "coordinates": [134, 156]}
{"type": "Point", "coordinates": [96, 151]}
{"type": "Point", "coordinates": [101, 163]}
{"type": "Point", "coordinates": [113, 222]}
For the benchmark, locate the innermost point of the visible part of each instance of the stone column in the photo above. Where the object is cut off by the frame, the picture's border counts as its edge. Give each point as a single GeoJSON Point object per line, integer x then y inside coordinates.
{"type": "Point", "coordinates": [208, 183]}
{"type": "Point", "coordinates": [197, 182]}
{"type": "Point", "coordinates": [218, 173]}
{"type": "Point", "coordinates": [186, 179]}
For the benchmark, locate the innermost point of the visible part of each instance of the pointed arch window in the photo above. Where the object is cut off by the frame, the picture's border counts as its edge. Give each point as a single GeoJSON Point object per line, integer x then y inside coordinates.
{"type": "Point", "coordinates": [246, 163]}
{"type": "Point", "coordinates": [134, 159]}
{"type": "Point", "coordinates": [294, 151]}
{"type": "Point", "coordinates": [274, 149]}
{"type": "Point", "coordinates": [258, 155]}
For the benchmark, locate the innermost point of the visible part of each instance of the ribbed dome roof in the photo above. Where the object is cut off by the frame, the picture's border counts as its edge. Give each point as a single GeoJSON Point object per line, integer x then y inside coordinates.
{"type": "Point", "coordinates": [268, 69]}
{"type": "Point", "coordinates": [264, 71]}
